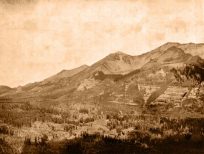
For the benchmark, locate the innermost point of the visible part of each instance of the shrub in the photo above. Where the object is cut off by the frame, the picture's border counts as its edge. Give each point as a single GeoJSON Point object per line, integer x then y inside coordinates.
{"type": "Point", "coordinates": [4, 129]}
{"type": "Point", "coordinates": [87, 120]}
{"type": "Point", "coordinates": [27, 141]}
{"type": "Point", "coordinates": [69, 127]}
{"type": "Point", "coordinates": [84, 111]}
{"type": "Point", "coordinates": [44, 139]}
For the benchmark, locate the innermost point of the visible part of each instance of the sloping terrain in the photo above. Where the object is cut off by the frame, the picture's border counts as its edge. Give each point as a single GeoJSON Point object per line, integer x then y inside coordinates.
{"type": "Point", "coordinates": [65, 74]}
{"type": "Point", "coordinates": [117, 67]}
{"type": "Point", "coordinates": [145, 100]}
{"type": "Point", "coordinates": [191, 48]}
{"type": "Point", "coordinates": [4, 89]}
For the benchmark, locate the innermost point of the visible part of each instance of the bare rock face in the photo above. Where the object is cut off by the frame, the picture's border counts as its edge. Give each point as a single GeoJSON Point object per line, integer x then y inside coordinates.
{"type": "Point", "coordinates": [174, 66]}
{"type": "Point", "coordinates": [193, 49]}
{"type": "Point", "coordinates": [87, 84]}
{"type": "Point", "coordinates": [190, 48]}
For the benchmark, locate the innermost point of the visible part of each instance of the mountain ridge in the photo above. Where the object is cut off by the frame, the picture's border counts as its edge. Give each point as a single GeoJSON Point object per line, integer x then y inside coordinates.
{"type": "Point", "coordinates": [170, 53]}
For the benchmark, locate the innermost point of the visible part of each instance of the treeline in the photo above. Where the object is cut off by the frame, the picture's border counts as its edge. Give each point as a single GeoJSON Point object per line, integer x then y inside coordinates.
{"type": "Point", "coordinates": [189, 72]}
{"type": "Point", "coordinates": [25, 114]}
{"type": "Point", "coordinates": [100, 144]}
{"type": "Point", "coordinates": [86, 144]}
{"type": "Point", "coordinates": [5, 148]}
{"type": "Point", "coordinates": [115, 77]}
{"type": "Point", "coordinates": [153, 126]}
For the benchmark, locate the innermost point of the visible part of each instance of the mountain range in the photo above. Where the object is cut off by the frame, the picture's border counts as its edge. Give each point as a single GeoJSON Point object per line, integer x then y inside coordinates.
{"type": "Point", "coordinates": [118, 74]}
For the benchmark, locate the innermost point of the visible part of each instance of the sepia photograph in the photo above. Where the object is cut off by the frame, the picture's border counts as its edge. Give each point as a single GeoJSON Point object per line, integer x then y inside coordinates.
{"type": "Point", "coordinates": [101, 76]}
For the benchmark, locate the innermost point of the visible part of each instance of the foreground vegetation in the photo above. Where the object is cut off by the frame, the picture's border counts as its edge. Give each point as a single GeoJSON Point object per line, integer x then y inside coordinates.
{"type": "Point", "coordinates": [118, 131]}
{"type": "Point", "coordinates": [95, 143]}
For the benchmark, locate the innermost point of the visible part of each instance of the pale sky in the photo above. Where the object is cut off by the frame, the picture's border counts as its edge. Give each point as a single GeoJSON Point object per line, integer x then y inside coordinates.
{"type": "Point", "coordinates": [39, 38]}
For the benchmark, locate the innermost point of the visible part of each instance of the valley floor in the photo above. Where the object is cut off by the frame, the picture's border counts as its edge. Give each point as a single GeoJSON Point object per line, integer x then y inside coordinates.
{"type": "Point", "coordinates": [108, 127]}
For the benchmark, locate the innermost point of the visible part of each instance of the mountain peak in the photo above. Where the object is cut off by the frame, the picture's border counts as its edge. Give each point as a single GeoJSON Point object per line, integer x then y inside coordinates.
{"type": "Point", "coordinates": [171, 44]}
{"type": "Point", "coordinates": [195, 49]}
{"type": "Point", "coordinates": [116, 56]}
{"type": "Point", "coordinates": [119, 53]}
{"type": "Point", "coordinates": [174, 48]}
{"type": "Point", "coordinates": [168, 45]}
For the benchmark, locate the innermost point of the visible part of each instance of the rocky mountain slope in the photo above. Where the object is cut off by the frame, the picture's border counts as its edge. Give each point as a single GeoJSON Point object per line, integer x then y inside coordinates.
{"type": "Point", "coordinates": [115, 73]}
{"type": "Point", "coordinates": [4, 89]}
